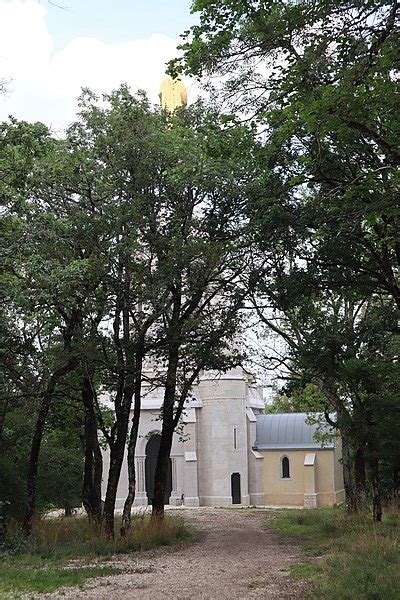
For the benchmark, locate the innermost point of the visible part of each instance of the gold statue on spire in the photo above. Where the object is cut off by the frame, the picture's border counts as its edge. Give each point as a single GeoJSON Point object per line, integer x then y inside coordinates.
{"type": "Point", "coordinates": [172, 94]}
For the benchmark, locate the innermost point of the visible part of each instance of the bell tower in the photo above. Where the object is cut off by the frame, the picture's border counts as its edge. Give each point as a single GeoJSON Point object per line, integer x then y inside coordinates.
{"type": "Point", "coordinates": [172, 94]}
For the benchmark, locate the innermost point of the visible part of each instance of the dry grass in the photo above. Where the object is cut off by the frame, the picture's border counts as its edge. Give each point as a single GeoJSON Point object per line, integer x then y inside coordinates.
{"type": "Point", "coordinates": [47, 560]}
{"type": "Point", "coordinates": [76, 536]}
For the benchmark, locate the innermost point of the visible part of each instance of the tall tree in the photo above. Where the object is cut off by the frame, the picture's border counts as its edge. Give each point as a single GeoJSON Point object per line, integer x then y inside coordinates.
{"type": "Point", "coordinates": [320, 80]}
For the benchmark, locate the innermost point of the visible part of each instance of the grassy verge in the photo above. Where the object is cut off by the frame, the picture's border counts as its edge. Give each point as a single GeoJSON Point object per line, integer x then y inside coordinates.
{"type": "Point", "coordinates": [348, 558]}
{"type": "Point", "coordinates": [65, 552]}
{"type": "Point", "coordinates": [27, 574]}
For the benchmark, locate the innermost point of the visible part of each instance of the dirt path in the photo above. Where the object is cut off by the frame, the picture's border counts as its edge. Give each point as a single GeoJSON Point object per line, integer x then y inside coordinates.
{"type": "Point", "coordinates": [235, 557]}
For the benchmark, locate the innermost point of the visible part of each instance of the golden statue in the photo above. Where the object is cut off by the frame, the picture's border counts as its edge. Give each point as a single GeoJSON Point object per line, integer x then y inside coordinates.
{"type": "Point", "coordinates": [172, 94]}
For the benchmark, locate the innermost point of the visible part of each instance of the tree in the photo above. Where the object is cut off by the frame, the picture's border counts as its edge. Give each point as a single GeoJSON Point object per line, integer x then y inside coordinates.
{"type": "Point", "coordinates": [320, 80]}
{"type": "Point", "coordinates": [51, 274]}
{"type": "Point", "coordinates": [297, 398]}
{"type": "Point", "coordinates": [133, 250]}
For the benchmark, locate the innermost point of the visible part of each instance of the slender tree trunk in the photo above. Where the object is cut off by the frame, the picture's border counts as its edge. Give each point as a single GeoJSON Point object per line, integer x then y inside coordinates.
{"type": "Point", "coordinates": [372, 456]}
{"type": "Point", "coordinates": [33, 462]}
{"type": "Point", "coordinates": [348, 479]}
{"type": "Point", "coordinates": [126, 514]}
{"type": "Point", "coordinates": [395, 478]}
{"type": "Point", "coordinates": [359, 475]}
{"type": "Point", "coordinates": [3, 412]}
{"type": "Point", "coordinates": [160, 479]}
{"type": "Point", "coordinates": [372, 462]}
{"type": "Point", "coordinates": [167, 432]}
{"type": "Point", "coordinates": [373, 468]}
{"type": "Point", "coordinates": [44, 407]}
{"type": "Point", "coordinates": [93, 468]}
{"type": "Point", "coordinates": [117, 451]}
{"type": "Point", "coordinates": [126, 363]}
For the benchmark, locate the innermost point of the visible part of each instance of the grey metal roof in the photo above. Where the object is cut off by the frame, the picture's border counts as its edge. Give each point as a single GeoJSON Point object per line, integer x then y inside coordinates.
{"type": "Point", "coordinates": [288, 431]}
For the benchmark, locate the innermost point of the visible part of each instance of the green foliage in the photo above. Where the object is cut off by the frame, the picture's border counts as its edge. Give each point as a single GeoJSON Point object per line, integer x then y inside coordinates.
{"type": "Point", "coordinates": [60, 465]}
{"type": "Point", "coordinates": [122, 239]}
{"type": "Point", "coordinates": [359, 559]}
{"type": "Point", "coordinates": [13, 455]}
{"type": "Point", "coordinates": [307, 398]}
{"type": "Point", "coordinates": [320, 79]}
{"type": "Point", "coordinates": [60, 470]}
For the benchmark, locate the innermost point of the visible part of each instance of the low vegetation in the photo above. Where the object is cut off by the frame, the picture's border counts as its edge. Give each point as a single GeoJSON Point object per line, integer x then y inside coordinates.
{"type": "Point", "coordinates": [67, 551]}
{"type": "Point", "coordinates": [347, 557]}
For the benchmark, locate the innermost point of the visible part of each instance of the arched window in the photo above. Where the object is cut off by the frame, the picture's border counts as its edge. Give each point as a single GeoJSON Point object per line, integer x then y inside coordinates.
{"type": "Point", "coordinates": [285, 468]}
{"type": "Point", "coordinates": [152, 448]}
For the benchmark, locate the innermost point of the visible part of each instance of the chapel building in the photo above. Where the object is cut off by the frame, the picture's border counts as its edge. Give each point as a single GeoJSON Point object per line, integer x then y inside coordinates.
{"type": "Point", "coordinates": [227, 451]}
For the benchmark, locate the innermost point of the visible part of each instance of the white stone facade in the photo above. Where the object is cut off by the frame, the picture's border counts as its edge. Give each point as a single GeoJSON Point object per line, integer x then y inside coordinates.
{"type": "Point", "coordinates": [214, 442]}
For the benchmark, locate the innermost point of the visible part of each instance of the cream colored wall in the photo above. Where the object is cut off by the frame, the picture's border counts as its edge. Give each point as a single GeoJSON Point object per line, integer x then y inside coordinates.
{"type": "Point", "coordinates": [325, 477]}
{"type": "Point", "coordinates": [290, 492]}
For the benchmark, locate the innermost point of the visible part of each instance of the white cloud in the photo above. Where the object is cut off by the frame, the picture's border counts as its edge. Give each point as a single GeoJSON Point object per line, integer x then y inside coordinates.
{"type": "Point", "coordinates": [44, 84]}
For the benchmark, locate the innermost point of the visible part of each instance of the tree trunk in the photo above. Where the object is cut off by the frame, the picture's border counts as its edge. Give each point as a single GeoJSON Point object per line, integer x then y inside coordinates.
{"type": "Point", "coordinates": [138, 362]}
{"type": "Point", "coordinates": [130, 498]}
{"type": "Point", "coordinates": [33, 462]}
{"type": "Point", "coordinates": [348, 480]}
{"type": "Point", "coordinates": [160, 478]}
{"type": "Point", "coordinates": [372, 462]}
{"type": "Point", "coordinates": [117, 451]}
{"type": "Point", "coordinates": [359, 476]}
{"type": "Point", "coordinates": [126, 514]}
{"type": "Point", "coordinates": [373, 468]}
{"type": "Point", "coordinates": [395, 478]}
{"type": "Point", "coordinates": [167, 432]}
{"type": "Point", "coordinates": [44, 408]}
{"type": "Point", "coordinates": [3, 412]}
{"type": "Point", "coordinates": [93, 468]}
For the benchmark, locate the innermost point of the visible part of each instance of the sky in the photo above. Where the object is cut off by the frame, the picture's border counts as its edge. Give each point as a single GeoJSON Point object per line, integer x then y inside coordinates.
{"type": "Point", "coordinates": [49, 50]}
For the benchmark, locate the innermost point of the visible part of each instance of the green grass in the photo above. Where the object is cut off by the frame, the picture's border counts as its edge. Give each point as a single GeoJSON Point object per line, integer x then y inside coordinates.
{"type": "Point", "coordinates": [347, 558]}
{"type": "Point", "coordinates": [17, 576]}
{"type": "Point", "coordinates": [66, 551]}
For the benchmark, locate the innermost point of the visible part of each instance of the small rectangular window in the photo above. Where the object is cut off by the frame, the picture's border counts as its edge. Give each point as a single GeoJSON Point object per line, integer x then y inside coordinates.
{"type": "Point", "coordinates": [234, 438]}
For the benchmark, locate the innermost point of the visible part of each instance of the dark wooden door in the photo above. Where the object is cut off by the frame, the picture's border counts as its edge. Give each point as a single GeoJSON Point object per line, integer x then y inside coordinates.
{"type": "Point", "coordinates": [235, 487]}
{"type": "Point", "coordinates": [152, 448]}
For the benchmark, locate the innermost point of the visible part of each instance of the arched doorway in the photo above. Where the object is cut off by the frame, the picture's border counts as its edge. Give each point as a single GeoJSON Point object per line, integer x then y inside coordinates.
{"type": "Point", "coordinates": [152, 448]}
{"type": "Point", "coordinates": [235, 488]}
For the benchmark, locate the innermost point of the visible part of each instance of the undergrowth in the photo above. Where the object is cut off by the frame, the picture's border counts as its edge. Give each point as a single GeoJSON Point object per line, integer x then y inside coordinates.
{"type": "Point", "coordinates": [348, 557]}
{"type": "Point", "coordinates": [60, 552]}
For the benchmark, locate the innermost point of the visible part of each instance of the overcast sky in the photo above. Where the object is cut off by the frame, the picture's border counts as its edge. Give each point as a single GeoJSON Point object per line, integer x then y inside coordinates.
{"type": "Point", "coordinates": [48, 53]}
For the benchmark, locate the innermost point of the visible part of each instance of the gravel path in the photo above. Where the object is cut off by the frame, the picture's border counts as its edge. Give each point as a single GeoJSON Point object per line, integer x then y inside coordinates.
{"type": "Point", "coordinates": [235, 556]}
